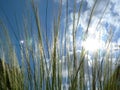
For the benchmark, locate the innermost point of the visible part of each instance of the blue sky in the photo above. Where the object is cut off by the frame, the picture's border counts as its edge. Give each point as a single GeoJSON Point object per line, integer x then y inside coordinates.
{"type": "Point", "coordinates": [13, 12]}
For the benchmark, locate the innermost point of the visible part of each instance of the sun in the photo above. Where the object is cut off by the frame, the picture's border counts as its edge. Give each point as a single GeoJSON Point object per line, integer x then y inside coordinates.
{"type": "Point", "coordinates": [91, 44]}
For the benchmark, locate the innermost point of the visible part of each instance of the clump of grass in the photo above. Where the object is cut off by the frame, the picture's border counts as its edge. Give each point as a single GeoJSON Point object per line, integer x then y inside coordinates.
{"type": "Point", "coordinates": [36, 72]}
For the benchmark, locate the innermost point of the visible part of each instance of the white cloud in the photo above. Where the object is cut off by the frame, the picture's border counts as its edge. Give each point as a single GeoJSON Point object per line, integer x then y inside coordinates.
{"type": "Point", "coordinates": [118, 42]}
{"type": "Point", "coordinates": [116, 6]}
{"type": "Point", "coordinates": [108, 18]}
{"type": "Point", "coordinates": [64, 73]}
{"type": "Point", "coordinates": [111, 19]}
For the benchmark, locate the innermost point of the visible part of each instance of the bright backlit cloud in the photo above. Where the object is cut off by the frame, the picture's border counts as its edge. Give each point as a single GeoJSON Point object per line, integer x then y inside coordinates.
{"type": "Point", "coordinates": [98, 31]}
{"type": "Point", "coordinates": [92, 45]}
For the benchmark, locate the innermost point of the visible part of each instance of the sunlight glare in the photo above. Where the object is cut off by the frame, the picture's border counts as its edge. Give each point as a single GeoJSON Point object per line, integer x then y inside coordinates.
{"type": "Point", "coordinates": [21, 41]}
{"type": "Point", "coordinates": [91, 45]}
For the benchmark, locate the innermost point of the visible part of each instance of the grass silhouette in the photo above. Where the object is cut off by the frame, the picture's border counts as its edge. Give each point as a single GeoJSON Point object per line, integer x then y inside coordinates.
{"type": "Point", "coordinates": [48, 75]}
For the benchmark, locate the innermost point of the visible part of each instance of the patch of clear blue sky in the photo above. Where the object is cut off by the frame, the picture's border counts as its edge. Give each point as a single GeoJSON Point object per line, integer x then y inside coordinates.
{"type": "Point", "coordinates": [10, 12]}
{"type": "Point", "coordinates": [9, 9]}
{"type": "Point", "coordinates": [15, 10]}
{"type": "Point", "coordinates": [13, 13]}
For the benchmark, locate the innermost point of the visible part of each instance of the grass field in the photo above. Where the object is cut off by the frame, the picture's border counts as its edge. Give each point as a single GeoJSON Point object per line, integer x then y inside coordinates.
{"type": "Point", "coordinates": [66, 68]}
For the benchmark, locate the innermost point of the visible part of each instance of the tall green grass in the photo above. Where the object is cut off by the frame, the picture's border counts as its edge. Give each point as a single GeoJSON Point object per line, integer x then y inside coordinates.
{"type": "Point", "coordinates": [35, 72]}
